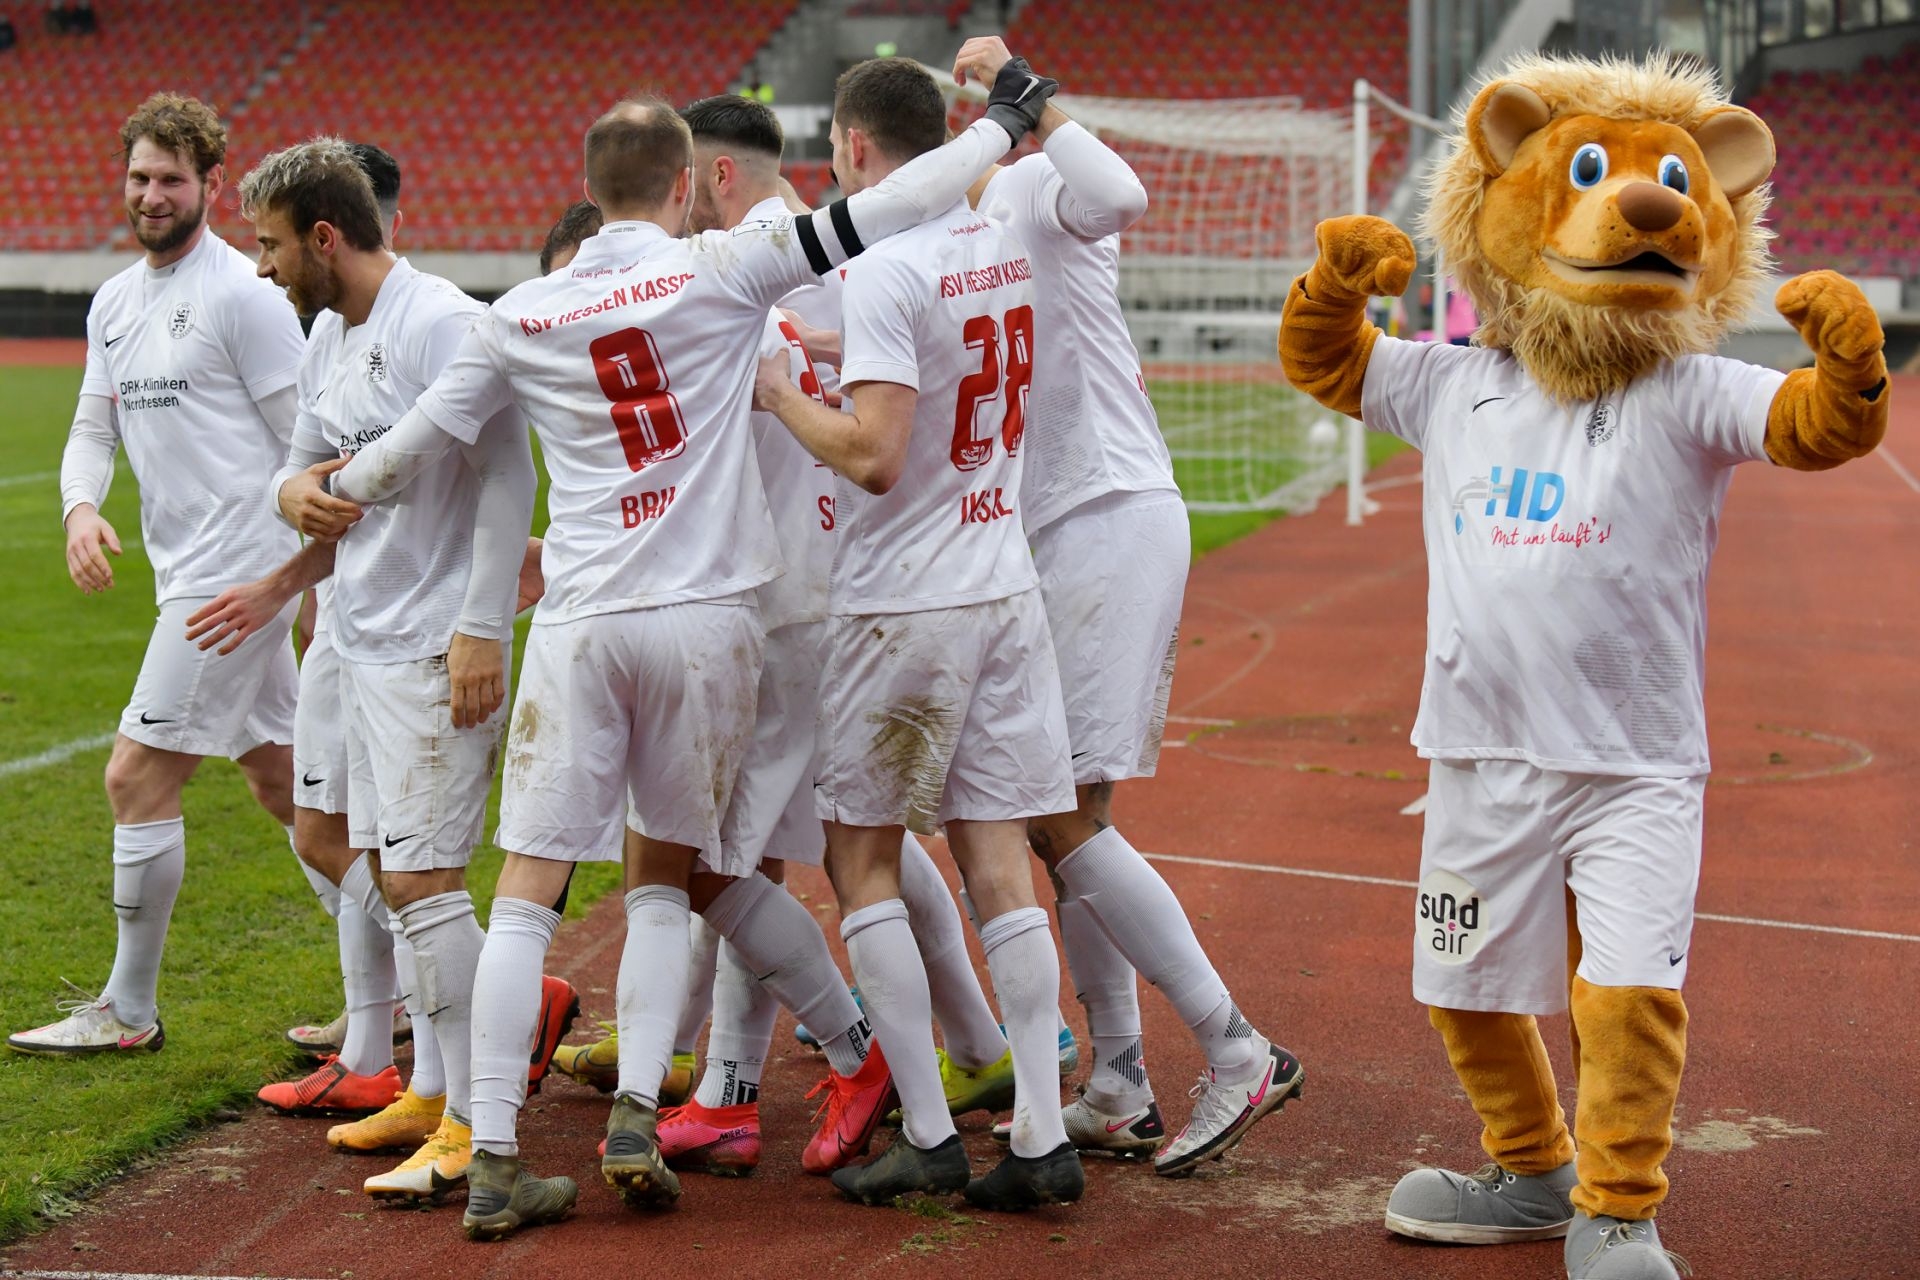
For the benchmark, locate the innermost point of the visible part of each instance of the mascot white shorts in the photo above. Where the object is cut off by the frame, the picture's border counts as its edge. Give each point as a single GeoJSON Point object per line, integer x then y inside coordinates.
{"type": "Point", "coordinates": [1506, 843]}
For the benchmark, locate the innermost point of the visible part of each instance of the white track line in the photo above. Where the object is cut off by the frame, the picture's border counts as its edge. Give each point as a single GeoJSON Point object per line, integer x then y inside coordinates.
{"type": "Point", "coordinates": [1800, 926]}
{"type": "Point", "coordinates": [38, 477]}
{"type": "Point", "coordinates": [53, 755]}
{"type": "Point", "coordinates": [1899, 469]}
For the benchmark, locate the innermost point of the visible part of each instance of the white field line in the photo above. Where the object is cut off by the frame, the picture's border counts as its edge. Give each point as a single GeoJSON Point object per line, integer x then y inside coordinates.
{"type": "Point", "coordinates": [1899, 468]}
{"type": "Point", "coordinates": [51, 756]}
{"type": "Point", "coordinates": [10, 1274]}
{"type": "Point", "coordinates": [1798, 925]}
{"type": "Point", "coordinates": [37, 477]}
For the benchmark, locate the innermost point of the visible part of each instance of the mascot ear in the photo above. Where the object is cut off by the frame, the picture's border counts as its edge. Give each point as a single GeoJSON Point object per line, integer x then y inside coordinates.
{"type": "Point", "coordinates": [1501, 117]}
{"type": "Point", "coordinates": [1738, 147]}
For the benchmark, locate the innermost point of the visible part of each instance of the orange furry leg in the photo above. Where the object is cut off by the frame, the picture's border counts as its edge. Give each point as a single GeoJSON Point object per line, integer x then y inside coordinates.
{"type": "Point", "coordinates": [1502, 1063]}
{"type": "Point", "coordinates": [1633, 1044]}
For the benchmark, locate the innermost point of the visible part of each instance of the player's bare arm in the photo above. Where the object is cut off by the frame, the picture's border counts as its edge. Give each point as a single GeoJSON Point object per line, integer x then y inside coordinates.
{"type": "Point", "coordinates": [236, 613]}
{"type": "Point", "coordinates": [476, 670]}
{"type": "Point", "coordinates": [308, 507]}
{"type": "Point", "coordinates": [533, 582]}
{"type": "Point", "coordinates": [868, 446]}
{"type": "Point", "coordinates": [823, 345]}
{"type": "Point", "coordinates": [86, 471]}
{"type": "Point", "coordinates": [87, 533]}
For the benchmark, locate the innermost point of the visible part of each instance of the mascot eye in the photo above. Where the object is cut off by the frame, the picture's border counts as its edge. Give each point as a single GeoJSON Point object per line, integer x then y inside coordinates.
{"type": "Point", "coordinates": [1673, 173]}
{"type": "Point", "coordinates": [1589, 166]}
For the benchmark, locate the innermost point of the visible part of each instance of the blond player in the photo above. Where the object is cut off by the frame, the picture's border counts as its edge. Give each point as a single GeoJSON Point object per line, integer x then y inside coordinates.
{"type": "Point", "coordinates": [422, 606]}
{"type": "Point", "coordinates": [1110, 543]}
{"type": "Point", "coordinates": [639, 691]}
{"type": "Point", "coordinates": [940, 704]}
{"type": "Point", "coordinates": [191, 364]}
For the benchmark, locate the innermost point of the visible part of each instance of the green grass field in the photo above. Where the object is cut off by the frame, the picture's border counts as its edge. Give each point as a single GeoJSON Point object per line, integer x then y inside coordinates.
{"type": "Point", "coordinates": [250, 952]}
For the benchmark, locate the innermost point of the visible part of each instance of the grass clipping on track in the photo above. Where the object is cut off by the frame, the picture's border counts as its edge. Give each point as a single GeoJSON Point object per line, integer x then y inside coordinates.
{"type": "Point", "coordinates": [249, 954]}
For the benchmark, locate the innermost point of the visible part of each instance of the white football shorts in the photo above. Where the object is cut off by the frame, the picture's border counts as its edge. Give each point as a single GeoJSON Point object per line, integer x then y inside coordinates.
{"type": "Point", "coordinates": [1505, 844]}
{"type": "Point", "coordinates": [943, 714]}
{"type": "Point", "coordinates": [417, 790]}
{"type": "Point", "coordinates": [642, 715]}
{"type": "Point", "coordinates": [199, 703]}
{"type": "Point", "coordinates": [771, 815]}
{"type": "Point", "coordinates": [1113, 573]}
{"type": "Point", "coordinates": [320, 731]}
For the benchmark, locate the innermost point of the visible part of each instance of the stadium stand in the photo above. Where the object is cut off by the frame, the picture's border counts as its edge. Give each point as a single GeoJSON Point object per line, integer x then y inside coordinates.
{"type": "Point", "coordinates": [1847, 192]}
{"type": "Point", "coordinates": [66, 96]}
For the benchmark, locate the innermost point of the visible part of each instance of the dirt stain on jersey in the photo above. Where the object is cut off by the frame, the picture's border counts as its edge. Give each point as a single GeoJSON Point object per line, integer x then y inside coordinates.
{"type": "Point", "coordinates": [913, 744]}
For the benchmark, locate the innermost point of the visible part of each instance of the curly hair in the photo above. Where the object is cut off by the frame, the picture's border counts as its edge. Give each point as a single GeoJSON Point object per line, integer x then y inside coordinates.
{"type": "Point", "coordinates": [185, 126]}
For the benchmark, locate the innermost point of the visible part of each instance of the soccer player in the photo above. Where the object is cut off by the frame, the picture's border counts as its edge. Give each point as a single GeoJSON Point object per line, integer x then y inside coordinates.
{"type": "Point", "coordinates": [423, 593]}
{"type": "Point", "coordinates": [191, 364]}
{"type": "Point", "coordinates": [363, 1052]}
{"type": "Point", "coordinates": [940, 702]}
{"type": "Point", "coordinates": [580, 220]}
{"type": "Point", "coordinates": [1110, 543]}
{"type": "Point", "coordinates": [639, 691]}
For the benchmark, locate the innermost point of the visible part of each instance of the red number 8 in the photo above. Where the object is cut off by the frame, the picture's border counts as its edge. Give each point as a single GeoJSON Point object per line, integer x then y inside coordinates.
{"type": "Point", "coordinates": [645, 413]}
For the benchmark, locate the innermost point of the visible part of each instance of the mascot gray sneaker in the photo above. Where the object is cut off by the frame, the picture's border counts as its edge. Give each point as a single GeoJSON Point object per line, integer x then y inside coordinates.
{"type": "Point", "coordinates": [1490, 1206]}
{"type": "Point", "coordinates": [1606, 1248]}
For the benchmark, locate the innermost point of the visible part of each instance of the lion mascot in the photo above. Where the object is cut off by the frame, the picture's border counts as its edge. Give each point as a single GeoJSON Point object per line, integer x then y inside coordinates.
{"type": "Point", "coordinates": [1604, 217]}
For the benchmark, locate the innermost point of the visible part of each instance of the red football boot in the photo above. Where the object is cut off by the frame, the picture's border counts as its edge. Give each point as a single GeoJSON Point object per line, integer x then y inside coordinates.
{"type": "Point", "coordinates": [720, 1140]}
{"type": "Point", "coordinates": [559, 1006]}
{"type": "Point", "coordinates": [333, 1090]}
{"type": "Point", "coordinates": [853, 1109]}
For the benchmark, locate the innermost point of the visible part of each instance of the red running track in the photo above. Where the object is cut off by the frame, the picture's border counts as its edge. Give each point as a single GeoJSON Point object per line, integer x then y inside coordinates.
{"type": "Point", "coordinates": [1299, 675]}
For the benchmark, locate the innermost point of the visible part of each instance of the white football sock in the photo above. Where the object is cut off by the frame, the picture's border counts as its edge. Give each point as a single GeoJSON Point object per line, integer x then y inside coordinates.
{"type": "Point", "coordinates": [1110, 993]}
{"type": "Point", "coordinates": [506, 1012]}
{"type": "Point", "coordinates": [780, 941]}
{"type": "Point", "coordinates": [1145, 921]}
{"type": "Point", "coordinates": [429, 1079]}
{"type": "Point", "coordinates": [886, 964]}
{"type": "Point", "coordinates": [652, 989]}
{"type": "Point", "coordinates": [1232, 1046]}
{"type": "Point", "coordinates": [967, 1025]}
{"type": "Point", "coordinates": [1026, 977]}
{"type": "Point", "coordinates": [326, 890]}
{"type": "Point", "coordinates": [743, 1012]}
{"type": "Point", "coordinates": [149, 862]}
{"type": "Point", "coordinates": [446, 950]}
{"type": "Point", "coordinates": [366, 971]}
{"type": "Point", "coordinates": [701, 968]}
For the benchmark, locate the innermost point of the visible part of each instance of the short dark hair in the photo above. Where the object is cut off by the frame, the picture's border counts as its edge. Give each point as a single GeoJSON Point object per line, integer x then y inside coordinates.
{"type": "Point", "coordinates": [895, 103]}
{"type": "Point", "coordinates": [382, 170]}
{"type": "Point", "coordinates": [737, 123]}
{"type": "Point", "coordinates": [319, 180]}
{"type": "Point", "coordinates": [634, 152]}
{"type": "Point", "coordinates": [582, 219]}
{"type": "Point", "coordinates": [185, 126]}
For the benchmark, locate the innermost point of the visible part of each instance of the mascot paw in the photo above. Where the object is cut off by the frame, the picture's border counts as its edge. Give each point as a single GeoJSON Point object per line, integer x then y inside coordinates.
{"type": "Point", "coordinates": [1364, 255]}
{"type": "Point", "coordinates": [1834, 319]}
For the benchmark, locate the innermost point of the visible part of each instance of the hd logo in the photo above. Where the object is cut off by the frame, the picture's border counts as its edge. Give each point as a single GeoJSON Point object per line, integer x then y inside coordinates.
{"type": "Point", "coordinates": [1513, 494]}
{"type": "Point", "coordinates": [1448, 922]}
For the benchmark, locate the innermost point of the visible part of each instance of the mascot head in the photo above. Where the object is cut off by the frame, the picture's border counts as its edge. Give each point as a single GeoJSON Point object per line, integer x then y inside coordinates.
{"type": "Point", "coordinates": [1603, 216]}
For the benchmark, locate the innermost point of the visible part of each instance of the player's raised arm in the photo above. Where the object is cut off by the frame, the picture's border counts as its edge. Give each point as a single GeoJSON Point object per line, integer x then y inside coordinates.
{"type": "Point", "coordinates": [1092, 193]}
{"type": "Point", "coordinates": [917, 190]}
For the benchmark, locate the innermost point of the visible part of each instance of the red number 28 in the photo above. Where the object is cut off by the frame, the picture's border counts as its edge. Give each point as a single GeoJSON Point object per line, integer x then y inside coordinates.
{"type": "Point", "coordinates": [979, 390]}
{"type": "Point", "coordinates": [644, 412]}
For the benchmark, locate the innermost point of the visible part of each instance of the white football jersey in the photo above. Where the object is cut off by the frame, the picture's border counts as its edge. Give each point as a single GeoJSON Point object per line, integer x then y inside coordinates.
{"type": "Point", "coordinates": [1091, 430]}
{"type": "Point", "coordinates": [1567, 552]}
{"type": "Point", "coordinates": [636, 365]}
{"type": "Point", "coordinates": [400, 574]}
{"type": "Point", "coordinates": [948, 309]}
{"type": "Point", "coordinates": [800, 493]}
{"type": "Point", "coordinates": [186, 353]}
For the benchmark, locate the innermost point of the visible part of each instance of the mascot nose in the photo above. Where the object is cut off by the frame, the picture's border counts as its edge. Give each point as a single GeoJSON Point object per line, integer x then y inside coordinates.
{"type": "Point", "coordinates": [1648, 206]}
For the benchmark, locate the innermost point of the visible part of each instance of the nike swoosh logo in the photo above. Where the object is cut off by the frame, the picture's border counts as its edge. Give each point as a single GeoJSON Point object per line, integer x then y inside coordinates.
{"type": "Point", "coordinates": [110, 341]}
{"type": "Point", "coordinates": [308, 780]}
{"type": "Point", "coordinates": [402, 840]}
{"type": "Point", "coordinates": [146, 719]}
{"type": "Point", "coordinates": [1254, 1100]}
{"type": "Point", "coordinates": [129, 1042]}
{"type": "Point", "coordinates": [1673, 959]}
{"type": "Point", "coordinates": [1488, 400]}
{"type": "Point", "coordinates": [1131, 1120]}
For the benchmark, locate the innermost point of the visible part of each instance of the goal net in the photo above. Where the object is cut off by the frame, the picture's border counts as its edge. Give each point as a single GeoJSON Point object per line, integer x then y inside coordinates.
{"type": "Point", "coordinates": [1235, 188]}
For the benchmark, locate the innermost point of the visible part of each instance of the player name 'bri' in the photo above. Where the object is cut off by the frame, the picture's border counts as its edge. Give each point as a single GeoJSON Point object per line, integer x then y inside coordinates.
{"type": "Point", "coordinates": [642, 291]}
